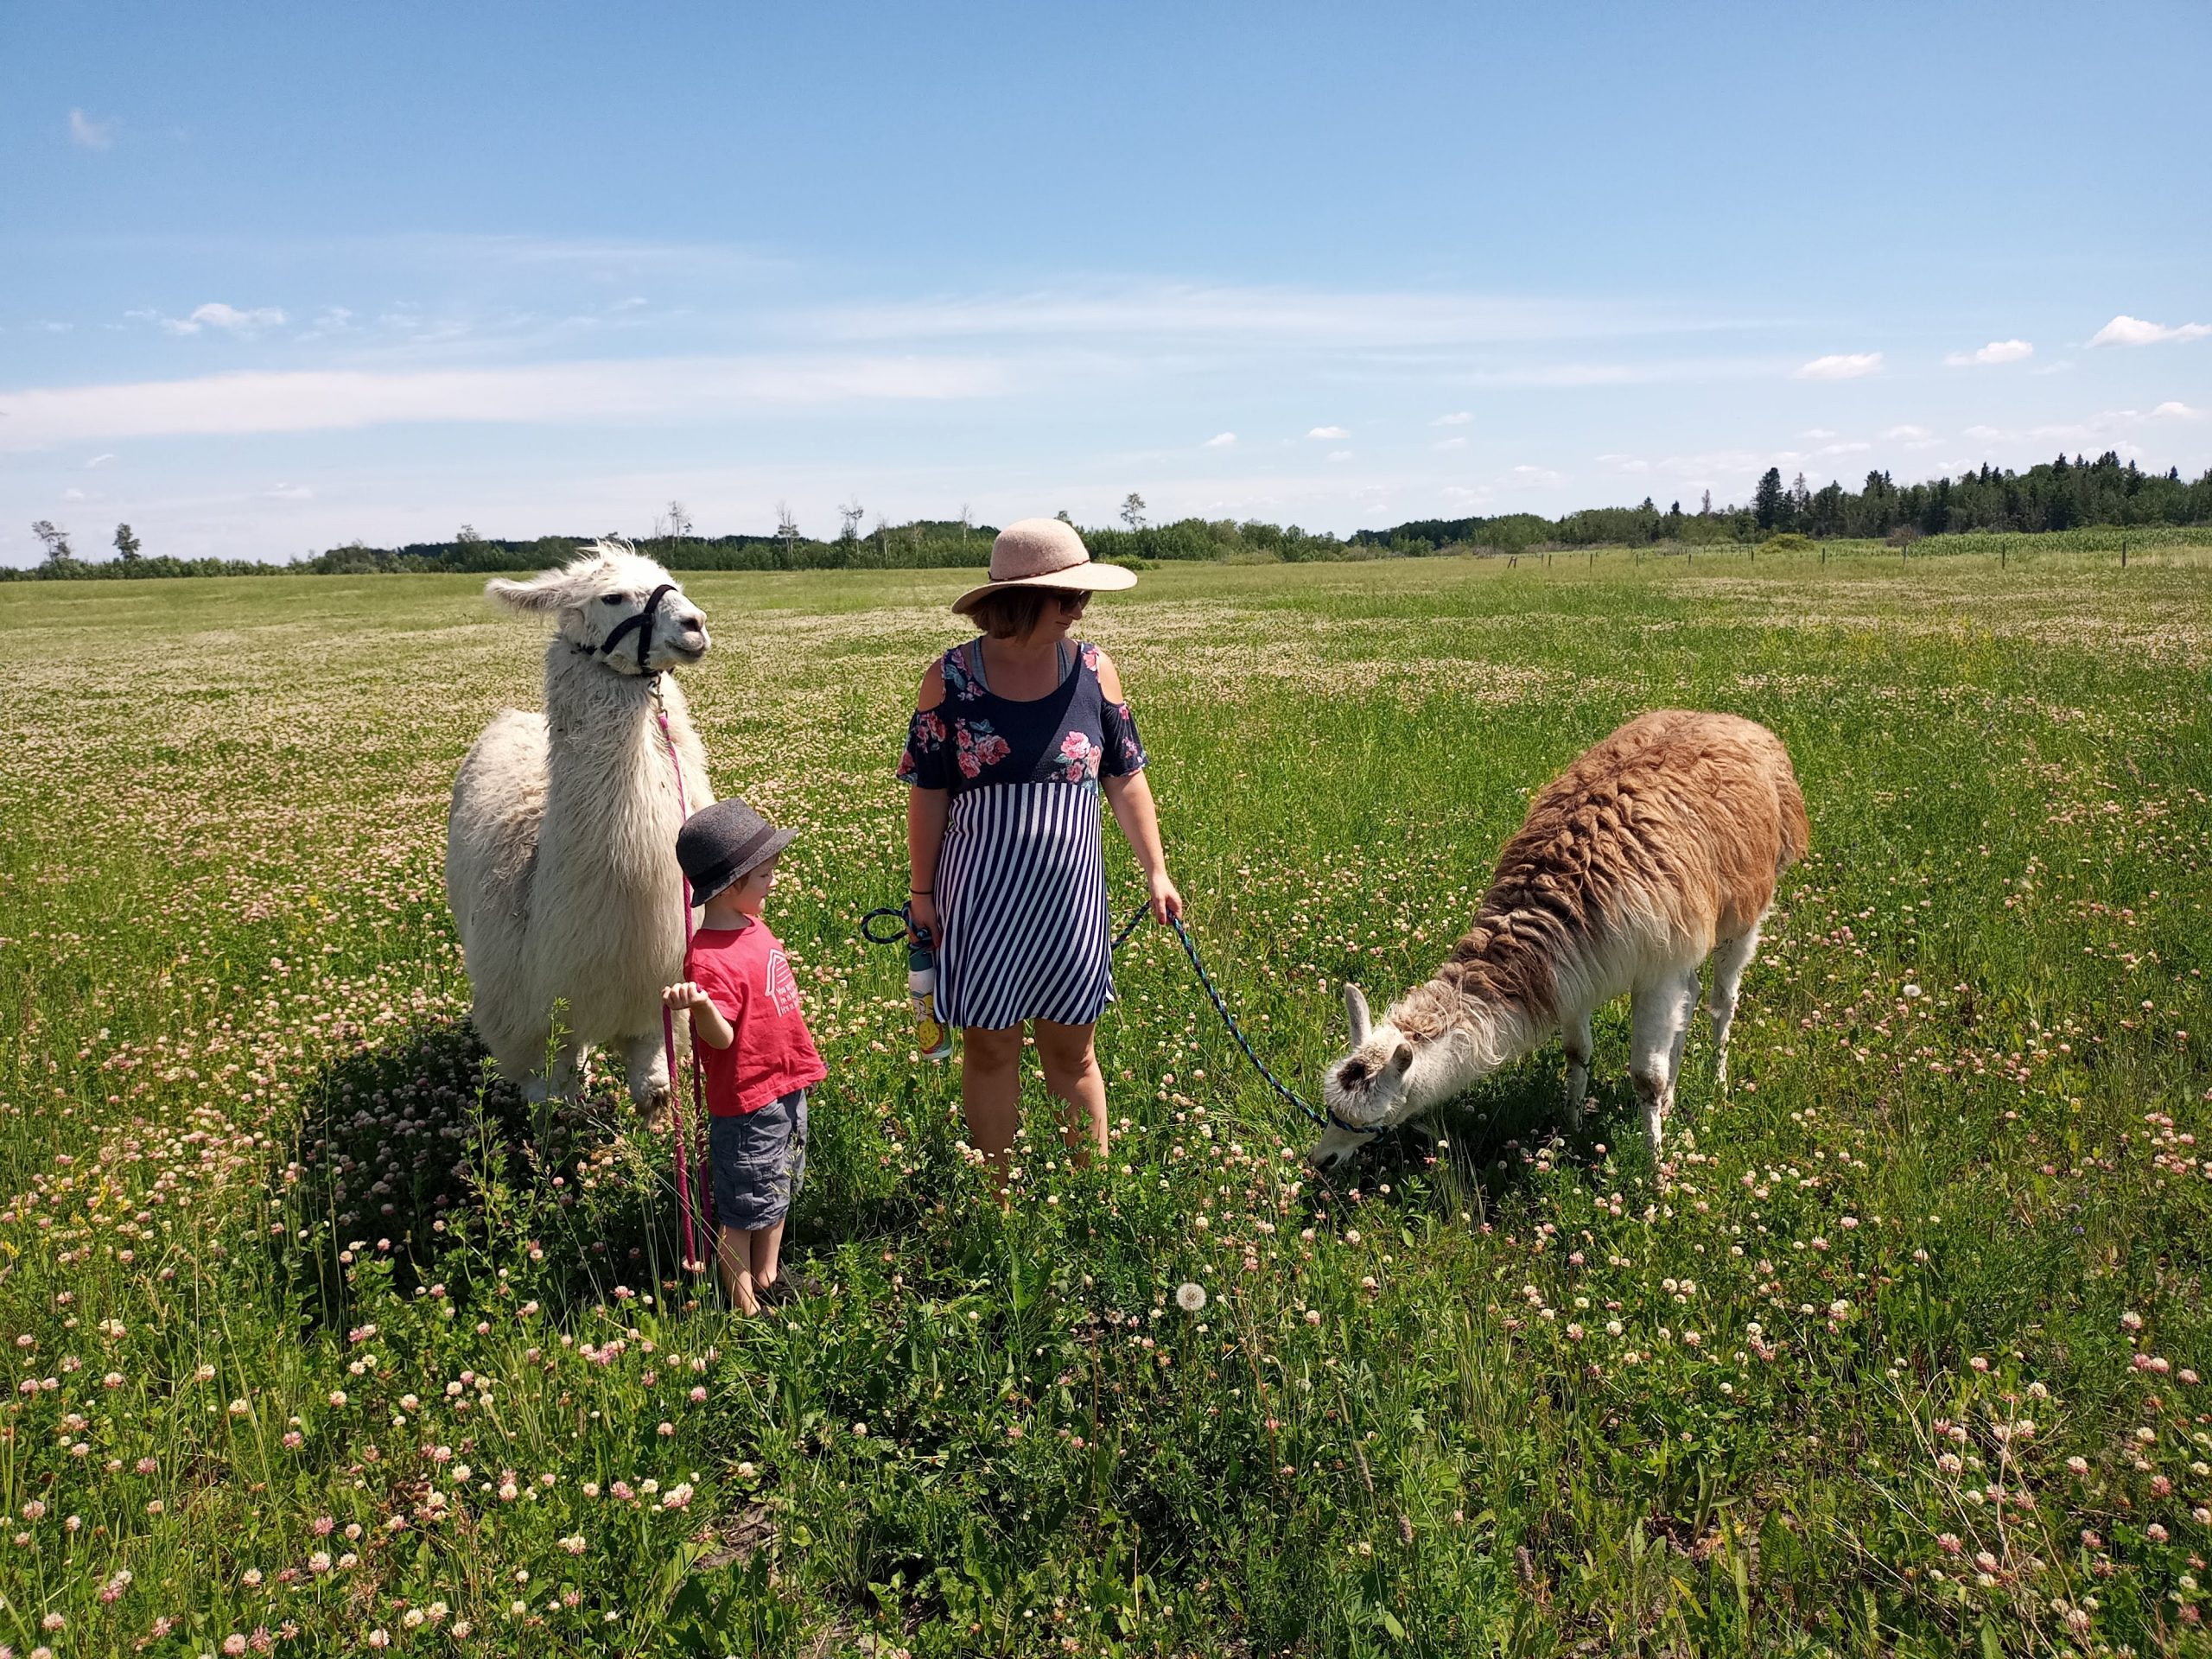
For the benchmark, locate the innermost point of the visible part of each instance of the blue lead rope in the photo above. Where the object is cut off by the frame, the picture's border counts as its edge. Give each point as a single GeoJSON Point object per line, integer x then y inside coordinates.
{"type": "Point", "coordinates": [1325, 1120]}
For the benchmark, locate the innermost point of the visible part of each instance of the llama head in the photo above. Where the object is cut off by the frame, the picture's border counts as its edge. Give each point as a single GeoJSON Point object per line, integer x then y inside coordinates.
{"type": "Point", "coordinates": [1367, 1087]}
{"type": "Point", "coordinates": [602, 596]}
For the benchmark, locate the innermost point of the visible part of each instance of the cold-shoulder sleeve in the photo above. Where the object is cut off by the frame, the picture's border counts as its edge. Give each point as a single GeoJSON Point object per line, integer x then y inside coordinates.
{"type": "Point", "coordinates": [927, 762]}
{"type": "Point", "coordinates": [1124, 749]}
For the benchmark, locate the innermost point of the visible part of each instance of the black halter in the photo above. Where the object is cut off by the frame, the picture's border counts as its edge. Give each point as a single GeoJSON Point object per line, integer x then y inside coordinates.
{"type": "Point", "coordinates": [643, 622]}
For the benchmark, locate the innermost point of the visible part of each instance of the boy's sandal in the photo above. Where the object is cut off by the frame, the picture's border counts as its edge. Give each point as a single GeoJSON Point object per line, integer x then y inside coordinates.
{"type": "Point", "coordinates": [789, 1287]}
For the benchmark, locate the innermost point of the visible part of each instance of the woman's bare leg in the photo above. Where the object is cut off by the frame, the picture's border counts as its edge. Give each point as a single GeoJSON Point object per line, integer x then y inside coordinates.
{"type": "Point", "coordinates": [990, 1090]}
{"type": "Point", "coordinates": [1071, 1074]}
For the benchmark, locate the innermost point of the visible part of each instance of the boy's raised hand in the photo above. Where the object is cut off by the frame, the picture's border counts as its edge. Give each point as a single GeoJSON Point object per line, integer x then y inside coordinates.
{"type": "Point", "coordinates": [683, 997]}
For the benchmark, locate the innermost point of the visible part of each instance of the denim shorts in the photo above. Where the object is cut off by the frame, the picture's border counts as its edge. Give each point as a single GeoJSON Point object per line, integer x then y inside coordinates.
{"type": "Point", "coordinates": [759, 1159]}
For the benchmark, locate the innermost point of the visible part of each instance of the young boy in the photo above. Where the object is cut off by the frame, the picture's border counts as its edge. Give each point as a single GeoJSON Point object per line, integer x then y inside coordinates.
{"type": "Point", "coordinates": [752, 1040]}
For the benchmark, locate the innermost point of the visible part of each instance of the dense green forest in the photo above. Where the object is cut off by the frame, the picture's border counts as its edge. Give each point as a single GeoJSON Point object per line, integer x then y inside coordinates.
{"type": "Point", "coordinates": [2055, 495]}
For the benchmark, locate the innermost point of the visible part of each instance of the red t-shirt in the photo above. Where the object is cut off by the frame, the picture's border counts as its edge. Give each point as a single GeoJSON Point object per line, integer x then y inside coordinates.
{"type": "Point", "coordinates": [747, 977]}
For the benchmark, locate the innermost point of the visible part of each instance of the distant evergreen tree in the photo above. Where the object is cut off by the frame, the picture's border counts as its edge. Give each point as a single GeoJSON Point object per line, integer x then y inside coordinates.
{"type": "Point", "coordinates": [1767, 500]}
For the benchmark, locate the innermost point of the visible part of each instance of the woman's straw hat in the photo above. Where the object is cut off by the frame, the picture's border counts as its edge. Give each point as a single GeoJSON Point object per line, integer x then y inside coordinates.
{"type": "Point", "coordinates": [1045, 553]}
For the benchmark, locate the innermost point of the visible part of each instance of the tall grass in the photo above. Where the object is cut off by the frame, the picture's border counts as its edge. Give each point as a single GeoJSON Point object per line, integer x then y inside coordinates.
{"type": "Point", "coordinates": [323, 1342]}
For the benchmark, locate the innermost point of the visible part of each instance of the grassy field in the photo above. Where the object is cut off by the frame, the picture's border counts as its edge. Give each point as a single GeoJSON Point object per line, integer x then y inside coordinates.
{"type": "Point", "coordinates": [319, 1344]}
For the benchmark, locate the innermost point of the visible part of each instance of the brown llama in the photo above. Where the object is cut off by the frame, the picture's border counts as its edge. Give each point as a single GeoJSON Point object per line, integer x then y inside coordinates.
{"type": "Point", "coordinates": [1659, 847]}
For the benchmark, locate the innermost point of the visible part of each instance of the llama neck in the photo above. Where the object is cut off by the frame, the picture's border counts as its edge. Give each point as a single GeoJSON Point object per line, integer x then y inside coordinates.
{"type": "Point", "coordinates": [608, 785]}
{"type": "Point", "coordinates": [1484, 1033]}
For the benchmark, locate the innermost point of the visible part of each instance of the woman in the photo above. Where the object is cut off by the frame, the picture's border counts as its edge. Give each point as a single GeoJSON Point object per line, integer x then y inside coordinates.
{"type": "Point", "coordinates": [1013, 736]}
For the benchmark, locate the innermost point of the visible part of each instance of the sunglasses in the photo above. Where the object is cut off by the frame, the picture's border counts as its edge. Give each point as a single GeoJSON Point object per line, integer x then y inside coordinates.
{"type": "Point", "coordinates": [1073, 603]}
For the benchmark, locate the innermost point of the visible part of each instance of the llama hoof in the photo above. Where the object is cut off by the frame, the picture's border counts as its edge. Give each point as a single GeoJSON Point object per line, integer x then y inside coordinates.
{"type": "Point", "coordinates": [656, 1107]}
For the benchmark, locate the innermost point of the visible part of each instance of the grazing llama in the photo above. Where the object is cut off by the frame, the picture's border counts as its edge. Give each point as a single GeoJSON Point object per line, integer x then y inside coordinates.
{"type": "Point", "coordinates": [561, 846]}
{"type": "Point", "coordinates": [1657, 848]}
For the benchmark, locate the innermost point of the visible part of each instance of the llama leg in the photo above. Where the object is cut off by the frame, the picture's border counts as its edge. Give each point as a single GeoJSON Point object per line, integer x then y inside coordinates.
{"type": "Point", "coordinates": [1574, 1033]}
{"type": "Point", "coordinates": [565, 1079]}
{"type": "Point", "coordinates": [646, 1069]}
{"type": "Point", "coordinates": [1659, 1013]}
{"type": "Point", "coordinates": [1730, 958]}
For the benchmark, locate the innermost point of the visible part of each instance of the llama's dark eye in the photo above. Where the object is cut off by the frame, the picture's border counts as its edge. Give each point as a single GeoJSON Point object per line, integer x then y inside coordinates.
{"type": "Point", "coordinates": [611, 599]}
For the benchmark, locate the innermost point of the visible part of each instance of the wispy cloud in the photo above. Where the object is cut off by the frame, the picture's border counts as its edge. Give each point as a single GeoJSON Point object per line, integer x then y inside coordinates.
{"type": "Point", "coordinates": [1442, 444]}
{"type": "Point", "coordinates": [2171, 410]}
{"type": "Point", "coordinates": [99, 460]}
{"type": "Point", "coordinates": [1840, 366]}
{"type": "Point", "coordinates": [1460, 419]}
{"type": "Point", "coordinates": [1330, 432]}
{"type": "Point", "coordinates": [1907, 432]}
{"type": "Point", "coordinates": [2124, 330]}
{"type": "Point", "coordinates": [1312, 316]}
{"type": "Point", "coordinates": [1998, 351]}
{"type": "Point", "coordinates": [1220, 440]}
{"type": "Point", "coordinates": [627, 390]}
{"type": "Point", "coordinates": [88, 134]}
{"type": "Point", "coordinates": [1339, 454]}
{"type": "Point", "coordinates": [289, 493]}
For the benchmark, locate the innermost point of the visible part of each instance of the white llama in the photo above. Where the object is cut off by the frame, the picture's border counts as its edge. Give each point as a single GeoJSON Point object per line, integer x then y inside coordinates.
{"type": "Point", "coordinates": [560, 847]}
{"type": "Point", "coordinates": [1657, 848]}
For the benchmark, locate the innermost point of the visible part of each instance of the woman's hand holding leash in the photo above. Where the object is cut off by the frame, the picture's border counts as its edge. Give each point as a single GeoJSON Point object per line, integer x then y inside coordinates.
{"type": "Point", "coordinates": [921, 915]}
{"type": "Point", "coordinates": [1166, 899]}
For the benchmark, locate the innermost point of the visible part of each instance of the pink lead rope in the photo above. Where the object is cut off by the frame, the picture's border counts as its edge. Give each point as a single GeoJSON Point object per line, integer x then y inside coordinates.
{"type": "Point", "coordinates": [692, 1260]}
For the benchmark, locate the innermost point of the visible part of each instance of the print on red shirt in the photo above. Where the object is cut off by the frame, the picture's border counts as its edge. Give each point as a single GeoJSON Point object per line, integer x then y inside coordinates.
{"type": "Point", "coordinates": [747, 975]}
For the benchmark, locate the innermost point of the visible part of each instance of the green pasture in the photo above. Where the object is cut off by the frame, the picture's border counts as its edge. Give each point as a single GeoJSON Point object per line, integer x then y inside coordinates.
{"type": "Point", "coordinates": [320, 1342]}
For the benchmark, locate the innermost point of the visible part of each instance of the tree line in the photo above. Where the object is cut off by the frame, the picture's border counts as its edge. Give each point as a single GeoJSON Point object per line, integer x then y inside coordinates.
{"type": "Point", "coordinates": [2054, 495]}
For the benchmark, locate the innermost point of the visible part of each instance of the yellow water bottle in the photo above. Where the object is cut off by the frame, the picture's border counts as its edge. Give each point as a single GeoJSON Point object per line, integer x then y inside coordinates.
{"type": "Point", "coordinates": [931, 1036]}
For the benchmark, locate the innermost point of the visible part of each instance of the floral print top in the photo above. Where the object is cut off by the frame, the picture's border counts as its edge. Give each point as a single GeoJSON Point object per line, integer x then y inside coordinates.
{"type": "Point", "coordinates": [975, 738]}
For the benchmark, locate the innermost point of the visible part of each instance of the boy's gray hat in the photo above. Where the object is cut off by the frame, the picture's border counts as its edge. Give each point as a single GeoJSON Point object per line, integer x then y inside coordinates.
{"type": "Point", "coordinates": [720, 843]}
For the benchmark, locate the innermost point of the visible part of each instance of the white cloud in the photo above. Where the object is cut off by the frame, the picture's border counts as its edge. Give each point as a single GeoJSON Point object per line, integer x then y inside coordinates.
{"type": "Point", "coordinates": [1985, 434]}
{"type": "Point", "coordinates": [1450, 443]}
{"type": "Point", "coordinates": [1460, 419]}
{"type": "Point", "coordinates": [628, 390]}
{"type": "Point", "coordinates": [1840, 366]}
{"type": "Point", "coordinates": [99, 460]}
{"type": "Point", "coordinates": [1843, 448]}
{"type": "Point", "coordinates": [1330, 432]}
{"type": "Point", "coordinates": [72, 495]}
{"type": "Point", "coordinates": [1339, 454]}
{"type": "Point", "coordinates": [1998, 351]}
{"type": "Point", "coordinates": [2124, 330]}
{"type": "Point", "coordinates": [1537, 478]}
{"type": "Point", "coordinates": [2176, 411]}
{"type": "Point", "coordinates": [216, 314]}
{"type": "Point", "coordinates": [1818, 432]}
{"type": "Point", "coordinates": [1907, 432]}
{"type": "Point", "coordinates": [88, 134]}
{"type": "Point", "coordinates": [289, 493]}
{"type": "Point", "coordinates": [1219, 441]}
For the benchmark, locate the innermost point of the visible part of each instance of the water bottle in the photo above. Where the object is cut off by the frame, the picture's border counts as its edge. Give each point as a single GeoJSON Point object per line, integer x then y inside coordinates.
{"type": "Point", "coordinates": [931, 1034]}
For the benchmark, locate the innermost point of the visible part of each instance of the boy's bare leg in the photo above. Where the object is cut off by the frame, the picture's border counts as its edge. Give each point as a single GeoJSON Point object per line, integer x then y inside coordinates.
{"type": "Point", "coordinates": [733, 1256]}
{"type": "Point", "coordinates": [765, 1245]}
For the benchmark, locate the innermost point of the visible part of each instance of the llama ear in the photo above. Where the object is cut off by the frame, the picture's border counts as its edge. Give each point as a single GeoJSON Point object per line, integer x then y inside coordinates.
{"type": "Point", "coordinates": [1356, 1010]}
{"type": "Point", "coordinates": [1402, 1061]}
{"type": "Point", "coordinates": [540, 593]}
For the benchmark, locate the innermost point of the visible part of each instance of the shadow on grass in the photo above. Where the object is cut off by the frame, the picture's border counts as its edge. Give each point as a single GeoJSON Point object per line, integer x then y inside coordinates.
{"type": "Point", "coordinates": [413, 1153]}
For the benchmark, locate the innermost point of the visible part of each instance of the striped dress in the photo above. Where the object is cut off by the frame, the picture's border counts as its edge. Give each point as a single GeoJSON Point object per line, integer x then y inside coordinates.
{"type": "Point", "coordinates": [1021, 879]}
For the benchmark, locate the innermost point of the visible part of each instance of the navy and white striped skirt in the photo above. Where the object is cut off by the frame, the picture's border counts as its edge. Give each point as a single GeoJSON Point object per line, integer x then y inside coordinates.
{"type": "Point", "coordinates": [1022, 905]}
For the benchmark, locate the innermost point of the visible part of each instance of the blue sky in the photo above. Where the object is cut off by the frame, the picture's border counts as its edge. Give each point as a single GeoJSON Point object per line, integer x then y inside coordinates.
{"type": "Point", "coordinates": [278, 276]}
